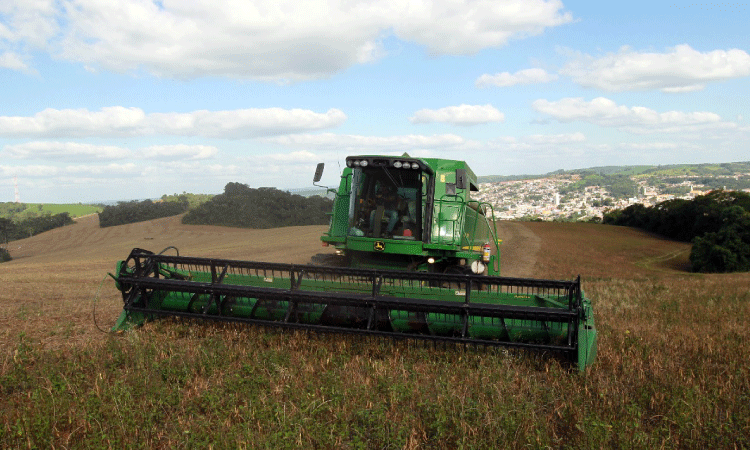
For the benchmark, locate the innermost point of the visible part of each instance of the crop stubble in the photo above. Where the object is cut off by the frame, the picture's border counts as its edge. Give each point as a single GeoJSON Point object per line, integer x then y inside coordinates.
{"type": "Point", "coordinates": [672, 369]}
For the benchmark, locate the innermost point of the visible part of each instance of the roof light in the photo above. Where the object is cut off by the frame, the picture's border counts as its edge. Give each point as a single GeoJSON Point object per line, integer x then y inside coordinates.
{"type": "Point", "coordinates": [363, 163]}
{"type": "Point", "coordinates": [414, 165]}
{"type": "Point", "coordinates": [356, 163]}
{"type": "Point", "coordinates": [397, 164]}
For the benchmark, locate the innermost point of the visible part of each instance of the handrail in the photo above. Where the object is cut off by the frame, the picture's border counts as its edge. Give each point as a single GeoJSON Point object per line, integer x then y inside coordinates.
{"type": "Point", "coordinates": [438, 207]}
{"type": "Point", "coordinates": [493, 231]}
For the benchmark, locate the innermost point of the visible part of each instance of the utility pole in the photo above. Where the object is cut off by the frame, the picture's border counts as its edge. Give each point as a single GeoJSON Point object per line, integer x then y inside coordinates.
{"type": "Point", "coordinates": [15, 185]}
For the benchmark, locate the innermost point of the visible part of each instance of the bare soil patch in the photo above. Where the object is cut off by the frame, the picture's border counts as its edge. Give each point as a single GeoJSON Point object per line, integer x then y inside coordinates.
{"type": "Point", "coordinates": [518, 251]}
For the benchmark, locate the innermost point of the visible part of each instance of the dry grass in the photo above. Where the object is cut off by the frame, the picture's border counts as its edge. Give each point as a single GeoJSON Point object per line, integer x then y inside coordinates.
{"type": "Point", "coordinates": [49, 287]}
{"type": "Point", "coordinates": [597, 251]}
{"type": "Point", "coordinates": [673, 369]}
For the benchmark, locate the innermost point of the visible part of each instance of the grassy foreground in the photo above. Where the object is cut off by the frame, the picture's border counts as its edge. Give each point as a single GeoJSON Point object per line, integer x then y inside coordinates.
{"type": "Point", "coordinates": [673, 369]}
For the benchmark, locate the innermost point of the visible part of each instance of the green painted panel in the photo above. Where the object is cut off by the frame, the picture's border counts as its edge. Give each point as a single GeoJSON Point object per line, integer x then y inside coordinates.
{"type": "Point", "coordinates": [392, 246]}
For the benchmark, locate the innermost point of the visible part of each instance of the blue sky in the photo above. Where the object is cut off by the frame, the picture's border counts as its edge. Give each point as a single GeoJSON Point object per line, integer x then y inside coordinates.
{"type": "Point", "coordinates": [114, 100]}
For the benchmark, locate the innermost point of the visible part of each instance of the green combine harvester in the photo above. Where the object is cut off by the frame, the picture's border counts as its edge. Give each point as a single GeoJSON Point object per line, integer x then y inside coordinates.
{"type": "Point", "coordinates": [419, 258]}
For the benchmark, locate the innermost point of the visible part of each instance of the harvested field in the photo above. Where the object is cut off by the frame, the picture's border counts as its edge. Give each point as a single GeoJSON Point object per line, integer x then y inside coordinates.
{"type": "Point", "coordinates": [55, 276]}
{"type": "Point", "coordinates": [673, 368]}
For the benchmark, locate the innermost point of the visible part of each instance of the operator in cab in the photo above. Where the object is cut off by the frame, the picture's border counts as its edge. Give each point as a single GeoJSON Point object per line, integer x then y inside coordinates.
{"type": "Point", "coordinates": [386, 205]}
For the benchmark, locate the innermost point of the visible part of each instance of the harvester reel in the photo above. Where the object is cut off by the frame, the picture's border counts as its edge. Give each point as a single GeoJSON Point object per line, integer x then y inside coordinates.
{"type": "Point", "coordinates": [458, 308]}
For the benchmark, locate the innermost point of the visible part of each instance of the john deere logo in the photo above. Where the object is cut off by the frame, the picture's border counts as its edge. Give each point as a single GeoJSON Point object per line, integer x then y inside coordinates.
{"type": "Point", "coordinates": [379, 246]}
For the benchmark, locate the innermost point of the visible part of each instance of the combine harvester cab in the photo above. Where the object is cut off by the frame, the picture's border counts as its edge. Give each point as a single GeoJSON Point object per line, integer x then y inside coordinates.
{"type": "Point", "coordinates": [422, 262]}
{"type": "Point", "coordinates": [412, 214]}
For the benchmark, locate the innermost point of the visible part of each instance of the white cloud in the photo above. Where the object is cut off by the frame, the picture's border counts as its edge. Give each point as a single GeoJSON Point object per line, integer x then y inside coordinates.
{"type": "Point", "coordinates": [111, 121]}
{"type": "Point", "coordinates": [112, 169]}
{"type": "Point", "coordinates": [555, 139]}
{"type": "Point", "coordinates": [179, 152]}
{"type": "Point", "coordinates": [637, 119]}
{"type": "Point", "coordinates": [465, 27]}
{"type": "Point", "coordinates": [648, 145]}
{"type": "Point", "coordinates": [356, 144]}
{"type": "Point", "coordinates": [536, 142]}
{"type": "Point", "coordinates": [182, 168]}
{"type": "Point", "coordinates": [65, 151]}
{"type": "Point", "coordinates": [29, 23]}
{"type": "Point", "coordinates": [299, 157]}
{"type": "Point", "coordinates": [245, 122]}
{"type": "Point", "coordinates": [25, 26]}
{"type": "Point", "coordinates": [505, 79]}
{"type": "Point", "coordinates": [128, 169]}
{"type": "Point", "coordinates": [459, 115]}
{"type": "Point", "coordinates": [691, 88]}
{"type": "Point", "coordinates": [29, 171]}
{"type": "Point", "coordinates": [682, 69]}
{"type": "Point", "coordinates": [79, 152]}
{"type": "Point", "coordinates": [10, 60]}
{"type": "Point", "coordinates": [121, 121]}
{"type": "Point", "coordinates": [283, 40]}
{"type": "Point", "coordinates": [286, 169]}
{"type": "Point", "coordinates": [537, 153]}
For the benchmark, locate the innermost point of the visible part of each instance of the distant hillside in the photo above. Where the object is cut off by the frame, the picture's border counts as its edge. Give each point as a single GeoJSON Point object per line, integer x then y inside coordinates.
{"type": "Point", "coordinates": [21, 211]}
{"type": "Point", "coordinates": [689, 170]}
{"type": "Point", "coordinates": [502, 178]}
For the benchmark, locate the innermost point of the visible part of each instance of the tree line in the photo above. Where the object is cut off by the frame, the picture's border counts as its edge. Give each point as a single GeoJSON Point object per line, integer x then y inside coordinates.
{"type": "Point", "coordinates": [733, 183]}
{"type": "Point", "coordinates": [245, 207]}
{"type": "Point", "coordinates": [718, 225]}
{"type": "Point", "coordinates": [11, 230]}
{"type": "Point", "coordinates": [139, 211]}
{"type": "Point", "coordinates": [193, 200]}
{"type": "Point", "coordinates": [239, 206]}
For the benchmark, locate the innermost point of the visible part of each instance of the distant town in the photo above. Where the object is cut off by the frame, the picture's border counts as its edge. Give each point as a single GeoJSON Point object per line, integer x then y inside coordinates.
{"type": "Point", "coordinates": [589, 193]}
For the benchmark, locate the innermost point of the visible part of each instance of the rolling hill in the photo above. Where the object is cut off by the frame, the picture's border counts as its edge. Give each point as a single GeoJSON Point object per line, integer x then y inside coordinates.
{"type": "Point", "coordinates": [672, 369]}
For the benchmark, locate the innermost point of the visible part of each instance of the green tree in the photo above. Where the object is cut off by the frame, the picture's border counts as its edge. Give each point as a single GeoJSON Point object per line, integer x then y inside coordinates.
{"type": "Point", "coordinates": [6, 226]}
{"type": "Point", "coordinates": [727, 250]}
{"type": "Point", "coordinates": [134, 211]}
{"type": "Point", "coordinates": [245, 207]}
{"type": "Point", "coordinates": [717, 223]}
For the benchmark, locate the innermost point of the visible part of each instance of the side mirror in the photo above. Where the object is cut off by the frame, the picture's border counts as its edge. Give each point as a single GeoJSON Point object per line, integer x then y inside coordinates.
{"type": "Point", "coordinates": [318, 172]}
{"type": "Point", "coordinates": [461, 178]}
